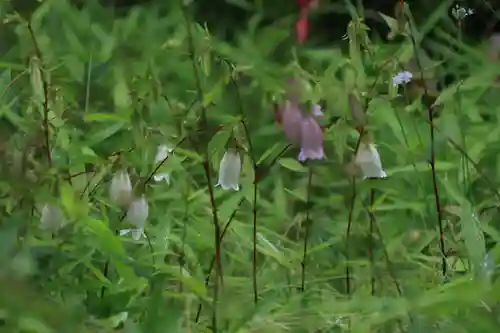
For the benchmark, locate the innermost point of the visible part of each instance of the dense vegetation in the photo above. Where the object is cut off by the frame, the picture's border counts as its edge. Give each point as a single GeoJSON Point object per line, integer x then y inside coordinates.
{"type": "Point", "coordinates": [179, 167]}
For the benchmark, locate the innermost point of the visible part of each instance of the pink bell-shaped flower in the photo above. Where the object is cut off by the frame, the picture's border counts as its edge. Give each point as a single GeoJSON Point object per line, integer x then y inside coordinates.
{"type": "Point", "coordinates": [311, 145]}
{"type": "Point", "coordinates": [292, 122]}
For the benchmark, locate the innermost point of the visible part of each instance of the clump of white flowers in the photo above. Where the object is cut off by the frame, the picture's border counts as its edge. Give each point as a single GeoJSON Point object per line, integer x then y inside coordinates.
{"type": "Point", "coordinates": [459, 13]}
{"type": "Point", "coordinates": [368, 160]}
{"type": "Point", "coordinates": [120, 190]}
{"type": "Point", "coordinates": [229, 170]}
{"type": "Point", "coordinates": [121, 193]}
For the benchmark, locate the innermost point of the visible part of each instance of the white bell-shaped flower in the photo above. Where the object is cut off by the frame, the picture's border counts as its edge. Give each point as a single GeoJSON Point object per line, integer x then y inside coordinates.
{"type": "Point", "coordinates": [229, 170]}
{"type": "Point", "coordinates": [161, 154]}
{"type": "Point", "coordinates": [120, 190]}
{"type": "Point", "coordinates": [52, 218]}
{"type": "Point", "coordinates": [137, 213]}
{"type": "Point", "coordinates": [368, 160]}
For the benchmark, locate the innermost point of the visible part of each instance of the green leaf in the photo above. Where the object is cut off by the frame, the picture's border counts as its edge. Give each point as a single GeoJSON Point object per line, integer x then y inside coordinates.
{"type": "Point", "coordinates": [292, 164]}
{"type": "Point", "coordinates": [100, 116]}
{"type": "Point", "coordinates": [104, 133]}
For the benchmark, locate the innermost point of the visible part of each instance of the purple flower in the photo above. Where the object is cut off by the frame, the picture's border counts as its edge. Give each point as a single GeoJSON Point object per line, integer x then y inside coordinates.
{"type": "Point", "coordinates": [311, 145]}
{"type": "Point", "coordinates": [292, 122]}
{"type": "Point", "coordinates": [402, 77]}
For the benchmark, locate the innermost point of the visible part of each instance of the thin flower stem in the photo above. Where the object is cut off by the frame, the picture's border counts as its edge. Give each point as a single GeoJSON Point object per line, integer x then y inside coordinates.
{"type": "Point", "coordinates": [251, 153]}
{"type": "Point", "coordinates": [262, 175]}
{"type": "Point", "coordinates": [376, 229]}
{"type": "Point", "coordinates": [432, 162]}
{"type": "Point", "coordinates": [371, 244]}
{"type": "Point", "coordinates": [349, 223]}
{"type": "Point", "coordinates": [348, 238]}
{"type": "Point", "coordinates": [105, 270]}
{"type": "Point", "coordinates": [254, 250]}
{"type": "Point", "coordinates": [308, 223]}
{"type": "Point", "coordinates": [182, 256]}
{"type": "Point", "coordinates": [206, 168]}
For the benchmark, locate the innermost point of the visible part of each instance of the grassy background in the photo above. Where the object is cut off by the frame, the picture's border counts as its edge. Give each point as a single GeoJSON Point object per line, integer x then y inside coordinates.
{"type": "Point", "coordinates": [306, 248]}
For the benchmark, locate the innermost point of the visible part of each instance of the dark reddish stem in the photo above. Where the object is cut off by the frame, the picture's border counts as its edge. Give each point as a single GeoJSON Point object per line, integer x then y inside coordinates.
{"type": "Point", "coordinates": [371, 245]}
{"type": "Point", "coordinates": [308, 223]}
{"type": "Point", "coordinates": [259, 176]}
{"type": "Point", "coordinates": [206, 169]}
{"type": "Point", "coordinates": [432, 161]}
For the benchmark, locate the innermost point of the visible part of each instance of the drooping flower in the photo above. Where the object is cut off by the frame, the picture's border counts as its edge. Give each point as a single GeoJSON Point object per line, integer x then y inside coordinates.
{"type": "Point", "coordinates": [137, 214]}
{"type": "Point", "coordinates": [302, 28]}
{"type": "Point", "coordinates": [161, 155]}
{"type": "Point", "coordinates": [402, 77]}
{"type": "Point", "coordinates": [368, 160]}
{"type": "Point", "coordinates": [120, 190]}
{"type": "Point", "coordinates": [292, 122]}
{"type": "Point", "coordinates": [302, 25]}
{"type": "Point", "coordinates": [52, 218]}
{"type": "Point", "coordinates": [311, 145]}
{"type": "Point", "coordinates": [229, 170]}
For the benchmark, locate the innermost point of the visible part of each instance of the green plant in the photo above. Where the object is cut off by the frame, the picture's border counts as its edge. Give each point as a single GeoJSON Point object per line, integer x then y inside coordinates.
{"type": "Point", "coordinates": [90, 102]}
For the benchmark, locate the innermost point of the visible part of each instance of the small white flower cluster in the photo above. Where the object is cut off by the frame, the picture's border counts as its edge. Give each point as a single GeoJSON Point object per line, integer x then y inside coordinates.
{"type": "Point", "coordinates": [459, 13]}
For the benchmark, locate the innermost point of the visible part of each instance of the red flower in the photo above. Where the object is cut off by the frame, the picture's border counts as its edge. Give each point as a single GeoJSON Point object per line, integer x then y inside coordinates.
{"type": "Point", "coordinates": [302, 28]}
{"type": "Point", "coordinates": [303, 3]}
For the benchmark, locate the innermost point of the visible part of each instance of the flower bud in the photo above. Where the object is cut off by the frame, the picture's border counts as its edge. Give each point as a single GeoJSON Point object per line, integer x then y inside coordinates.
{"type": "Point", "coordinates": [120, 190]}
{"type": "Point", "coordinates": [229, 170]}
{"type": "Point", "coordinates": [368, 159]}
{"type": "Point", "coordinates": [311, 145]}
{"type": "Point", "coordinates": [52, 218]}
{"type": "Point", "coordinates": [36, 79]}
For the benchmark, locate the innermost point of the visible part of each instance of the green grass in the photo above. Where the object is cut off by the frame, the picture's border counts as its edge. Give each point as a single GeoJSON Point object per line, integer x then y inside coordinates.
{"type": "Point", "coordinates": [301, 247]}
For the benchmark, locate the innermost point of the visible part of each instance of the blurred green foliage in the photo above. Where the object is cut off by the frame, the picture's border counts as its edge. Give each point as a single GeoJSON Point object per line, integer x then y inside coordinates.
{"type": "Point", "coordinates": [86, 92]}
